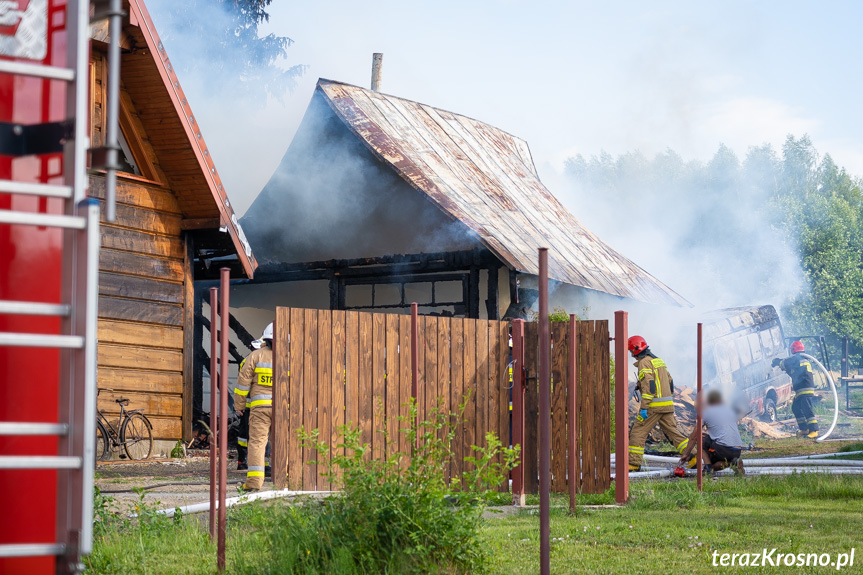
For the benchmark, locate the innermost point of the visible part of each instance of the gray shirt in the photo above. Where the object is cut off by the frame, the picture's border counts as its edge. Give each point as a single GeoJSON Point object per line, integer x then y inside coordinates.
{"type": "Point", "coordinates": [721, 423]}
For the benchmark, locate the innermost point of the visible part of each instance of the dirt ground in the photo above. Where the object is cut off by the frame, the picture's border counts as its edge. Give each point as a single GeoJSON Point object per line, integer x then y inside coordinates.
{"type": "Point", "coordinates": [167, 483]}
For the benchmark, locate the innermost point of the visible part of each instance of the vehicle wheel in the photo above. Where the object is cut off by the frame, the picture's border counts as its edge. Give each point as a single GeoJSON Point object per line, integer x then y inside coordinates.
{"type": "Point", "coordinates": [770, 414]}
{"type": "Point", "coordinates": [137, 437]}
{"type": "Point", "coordinates": [103, 451]}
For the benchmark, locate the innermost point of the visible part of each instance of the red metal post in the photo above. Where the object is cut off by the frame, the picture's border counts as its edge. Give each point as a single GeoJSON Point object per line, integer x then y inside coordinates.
{"type": "Point", "coordinates": [698, 417]}
{"type": "Point", "coordinates": [621, 408]}
{"type": "Point", "coordinates": [415, 361]}
{"type": "Point", "coordinates": [544, 417]}
{"type": "Point", "coordinates": [574, 450]}
{"type": "Point", "coordinates": [223, 414]}
{"type": "Point", "coordinates": [214, 383]}
{"type": "Point", "coordinates": [518, 389]}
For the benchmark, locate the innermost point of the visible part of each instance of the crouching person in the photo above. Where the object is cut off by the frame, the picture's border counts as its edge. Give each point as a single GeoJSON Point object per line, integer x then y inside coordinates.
{"type": "Point", "coordinates": [722, 443]}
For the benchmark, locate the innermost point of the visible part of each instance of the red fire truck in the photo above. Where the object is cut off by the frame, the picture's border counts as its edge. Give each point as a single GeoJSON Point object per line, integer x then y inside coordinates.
{"type": "Point", "coordinates": [49, 242]}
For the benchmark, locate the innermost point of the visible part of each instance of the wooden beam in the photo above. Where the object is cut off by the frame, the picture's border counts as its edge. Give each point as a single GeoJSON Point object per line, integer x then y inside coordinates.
{"type": "Point", "coordinates": [200, 223]}
{"type": "Point", "coordinates": [188, 337]}
{"type": "Point", "coordinates": [491, 304]}
{"type": "Point", "coordinates": [197, 350]}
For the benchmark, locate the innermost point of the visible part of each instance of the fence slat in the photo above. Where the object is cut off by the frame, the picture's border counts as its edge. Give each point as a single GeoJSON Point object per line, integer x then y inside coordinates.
{"type": "Point", "coordinates": [494, 382]}
{"type": "Point", "coordinates": [325, 420]}
{"type": "Point", "coordinates": [421, 367]}
{"type": "Point", "coordinates": [481, 381]}
{"type": "Point", "coordinates": [457, 394]}
{"type": "Point", "coordinates": [605, 391]}
{"type": "Point", "coordinates": [379, 369]}
{"type": "Point", "coordinates": [281, 397]}
{"type": "Point", "coordinates": [404, 379]}
{"type": "Point", "coordinates": [352, 368]}
{"type": "Point", "coordinates": [431, 361]}
{"type": "Point", "coordinates": [558, 406]}
{"type": "Point", "coordinates": [337, 386]}
{"type": "Point", "coordinates": [531, 409]}
{"type": "Point", "coordinates": [391, 388]}
{"type": "Point", "coordinates": [470, 382]}
{"type": "Point", "coordinates": [310, 396]}
{"type": "Point", "coordinates": [297, 409]}
{"type": "Point", "coordinates": [501, 392]}
{"type": "Point", "coordinates": [366, 379]}
{"type": "Point", "coordinates": [589, 412]}
{"type": "Point", "coordinates": [444, 326]}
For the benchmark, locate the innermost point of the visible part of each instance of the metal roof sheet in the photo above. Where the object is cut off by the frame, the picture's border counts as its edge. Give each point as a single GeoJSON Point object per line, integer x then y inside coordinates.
{"type": "Point", "coordinates": [485, 178]}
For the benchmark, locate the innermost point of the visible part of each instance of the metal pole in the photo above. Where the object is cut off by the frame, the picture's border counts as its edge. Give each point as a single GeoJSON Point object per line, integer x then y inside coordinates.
{"type": "Point", "coordinates": [223, 413]}
{"type": "Point", "coordinates": [518, 389]}
{"type": "Point", "coordinates": [415, 361]}
{"type": "Point", "coordinates": [699, 401]}
{"type": "Point", "coordinates": [621, 408]}
{"type": "Point", "coordinates": [112, 144]}
{"type": "Point", "coordinates": [572, 414]}
{"type": "Point", "coordinates": [544, 417]}
{"type": "Point", "coordinates": [214, 382]}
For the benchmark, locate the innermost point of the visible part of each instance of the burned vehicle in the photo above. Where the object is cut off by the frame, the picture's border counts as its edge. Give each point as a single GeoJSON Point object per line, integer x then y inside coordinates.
{"type": "Point", "coordinates": [740, 344]}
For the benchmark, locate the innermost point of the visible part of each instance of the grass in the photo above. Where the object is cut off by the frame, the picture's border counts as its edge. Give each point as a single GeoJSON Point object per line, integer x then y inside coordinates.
{"type": "Point", "coordinates": [667, 526]}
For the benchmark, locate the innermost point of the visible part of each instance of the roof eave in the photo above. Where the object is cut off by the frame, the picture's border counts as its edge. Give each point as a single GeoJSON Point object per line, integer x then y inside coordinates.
{"type": "Point", "coordinates": [138, 11]}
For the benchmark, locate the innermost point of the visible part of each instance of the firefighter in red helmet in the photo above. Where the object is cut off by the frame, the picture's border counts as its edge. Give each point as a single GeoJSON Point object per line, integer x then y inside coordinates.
{"type": "Point", "coordinates": [800, 370]}
{"type": "Point", "coordinates": [655, 389]}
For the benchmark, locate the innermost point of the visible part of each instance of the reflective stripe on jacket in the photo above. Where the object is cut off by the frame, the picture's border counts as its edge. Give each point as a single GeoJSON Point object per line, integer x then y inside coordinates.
{"type": "Point", "coordinates": [800, 370]}
{"type": "Point", "coordinates": [255, 382]}
{"type": "Point", "coordinates": [655, 384]}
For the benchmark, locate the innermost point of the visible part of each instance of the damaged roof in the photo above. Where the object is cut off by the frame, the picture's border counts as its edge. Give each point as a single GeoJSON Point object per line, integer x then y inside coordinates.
{"type": "Point", "coordinates": [486, 178]}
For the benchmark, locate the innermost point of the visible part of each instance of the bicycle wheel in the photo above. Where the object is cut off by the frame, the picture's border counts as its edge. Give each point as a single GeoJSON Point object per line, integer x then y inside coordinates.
{"type": "Point", "coordinates": [137, 437]}
{"type": "Point", "coordinates": [103, 451]}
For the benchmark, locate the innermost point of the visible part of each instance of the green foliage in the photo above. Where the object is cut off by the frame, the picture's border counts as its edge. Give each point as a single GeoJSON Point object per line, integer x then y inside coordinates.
{"type": "Point", "coordinates": [786, 227]}
{"type": "Point", "coordinates": [558, 314]}
{"type": "Point", "coordinates": [220, 42]}
{"type": "Point", "coordinates": [178, 451]}
{"type": "Point", "coordinates": [398, 515]}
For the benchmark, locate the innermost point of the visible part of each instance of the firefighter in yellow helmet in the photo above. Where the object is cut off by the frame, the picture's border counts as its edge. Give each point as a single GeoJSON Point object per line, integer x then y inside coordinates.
{"type": "Point", "coordinates": [254, 391]}
{"type": "Point", "coordinates": [656, 389]}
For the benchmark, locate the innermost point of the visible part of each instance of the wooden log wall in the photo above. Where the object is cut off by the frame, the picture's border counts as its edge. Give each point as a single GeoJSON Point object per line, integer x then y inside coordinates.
{"type": "Point", "coordinates": [337, 367]}
{"type": "Point", "coordinates": [143, 283]}
{"type": "Point", "coordinates": [594, 401]}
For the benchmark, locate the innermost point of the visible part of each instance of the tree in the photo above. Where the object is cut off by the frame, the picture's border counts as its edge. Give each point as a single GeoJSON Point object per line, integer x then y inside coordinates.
{"type": "Point", "coordinates": [220, 42]}
{"type": "Point", "coordinates": [785, 230]}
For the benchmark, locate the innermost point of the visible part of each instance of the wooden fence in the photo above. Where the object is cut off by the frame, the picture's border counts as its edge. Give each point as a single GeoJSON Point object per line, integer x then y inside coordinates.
{"type": "Point", "coordinates": [593, 466]}
{"type": "Point", "coordinates": [337, 367]}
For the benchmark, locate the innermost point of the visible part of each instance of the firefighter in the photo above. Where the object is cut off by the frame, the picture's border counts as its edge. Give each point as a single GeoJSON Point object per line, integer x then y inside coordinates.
{"type": "Point", "coordinates": [800, 370]}
{"type": "Point", "coordinates": [655, 388]}
{"type": "Point", "coordinates": [243, 433]}
{"type": "Point", "coordinates": [255, 392]}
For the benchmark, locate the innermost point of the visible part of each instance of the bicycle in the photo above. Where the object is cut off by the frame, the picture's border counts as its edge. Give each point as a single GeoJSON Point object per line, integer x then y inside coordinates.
{"type": "Point", "coordinates": [134, 433]}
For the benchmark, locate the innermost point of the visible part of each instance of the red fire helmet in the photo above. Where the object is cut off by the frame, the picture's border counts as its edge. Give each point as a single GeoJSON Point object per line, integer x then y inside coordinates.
{"type": "Point", "coordinates": [636, 344]}
{"type": "Point", "coordinates": [797, 347]}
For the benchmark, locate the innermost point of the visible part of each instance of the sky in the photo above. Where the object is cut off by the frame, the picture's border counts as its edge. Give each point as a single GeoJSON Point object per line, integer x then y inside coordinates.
{"type": "Point", "coordinates": [568, 77]}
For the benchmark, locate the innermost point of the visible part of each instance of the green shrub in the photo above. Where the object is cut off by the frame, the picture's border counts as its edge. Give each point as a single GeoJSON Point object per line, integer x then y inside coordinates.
{"type": "Point", "coordinates": [398, 515]}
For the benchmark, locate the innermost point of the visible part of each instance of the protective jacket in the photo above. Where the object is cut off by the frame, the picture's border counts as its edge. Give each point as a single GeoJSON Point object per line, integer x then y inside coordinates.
{"type": "Point", "coordinates": [654, 384]}
{"type": "Point", "coordinates": [255, 382]}
{"type": "Point", "coordinates": [800, 370]}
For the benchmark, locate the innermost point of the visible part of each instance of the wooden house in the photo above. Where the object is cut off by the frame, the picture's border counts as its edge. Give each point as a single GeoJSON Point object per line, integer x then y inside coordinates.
{"type": "Point", "coordinates": [380, 201]}
{"type": "Point", "coordinates": [173, 219]}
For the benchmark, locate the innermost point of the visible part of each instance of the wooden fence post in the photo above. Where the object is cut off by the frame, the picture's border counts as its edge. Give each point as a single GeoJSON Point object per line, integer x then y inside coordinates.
{"type": "Point", "coordinates": [621, 410]}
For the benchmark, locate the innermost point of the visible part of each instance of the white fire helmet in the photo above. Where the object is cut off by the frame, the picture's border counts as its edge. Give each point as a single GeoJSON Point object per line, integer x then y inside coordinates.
{"type": "Point", "coordinates": [268, 332]}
